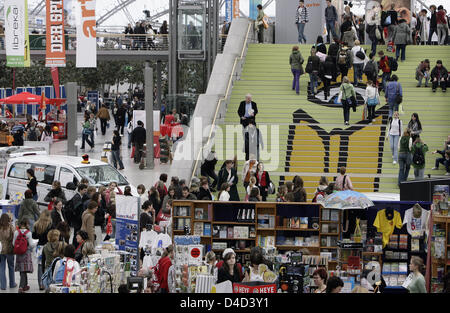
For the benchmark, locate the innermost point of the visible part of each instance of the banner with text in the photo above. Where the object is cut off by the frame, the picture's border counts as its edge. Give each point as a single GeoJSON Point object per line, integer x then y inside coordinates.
{"type": "Point", "coordinates": [14, 32]}
{"type": "Point", "coordinates": [236, 8]}
{"type": "Point", "coordinates": [55, 45]}
{"type": "Point", "coordinates": [228, 10]}
{"type": "Point", "coordinates": [86, 34]}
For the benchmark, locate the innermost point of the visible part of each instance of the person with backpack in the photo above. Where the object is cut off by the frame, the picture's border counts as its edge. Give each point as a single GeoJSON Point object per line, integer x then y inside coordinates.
{"type": "Point", "coordinates": [401, 38]}
{"type": "Point", "coordinates": [327, 73]}
{"type": "Point", "coordinates": [74, 209]}
{"type": "Point", "coordinates": [391, 21]}
{"type": "Point", "coordinates": [418, 151]}
{"type": "Point", "coordinates": [32, 133]}
{"type": "Point", "coordinates": [343, 181]}
{"type": "Point", "coordinates": [29, 209]}
{"type": "Point", "coordinates": [384, 64]}
{"type": "Point", "coordinates": [404, 156]}
{"type": "Point", "coordinates": [372, 100]}
{"type": "Point", "coordinates": [296, 60]}
{"type": "Point", "coordinates": [40, 231]}
{"type": "Point", "coordinates": [312, 68]}
{"type": "Point", "coordinates": [333, 52]}
{"type": "Point", "coordinates": [319, 194]}
{"type": "Point", "coordinates": [359, 56]}
{"type": "Point", "coordinates": [423, 71]}
{"type": "Point", "coordinates": [85, 133]}
{"type": "Point", "coordinates": [6, 251]}
{"type": "Point", "coordinates": [415, 126]}
{"type": "Point", "coordinates": [393, 94]}
{"type": "Point", "coordinates": [67, 264]}
{"type": "Point", "coordinates": [371, 69]}
{"type": "Point", "coordinates": [395, 131]}
{"type": "Point", "coordinates": [23, 247]}
{"type": "Point", "coordinates": [344, 59]}
{"type": "Point", "coordinates": [439, 76]}
{"type": "Point", "coordinates": [347, 97]}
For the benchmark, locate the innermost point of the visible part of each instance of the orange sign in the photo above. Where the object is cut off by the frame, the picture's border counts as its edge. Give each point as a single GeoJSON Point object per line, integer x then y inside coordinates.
{"type": "Point", "coordinates": [55, 45]}
{"type": "Point", "coordinates": [236, 8]}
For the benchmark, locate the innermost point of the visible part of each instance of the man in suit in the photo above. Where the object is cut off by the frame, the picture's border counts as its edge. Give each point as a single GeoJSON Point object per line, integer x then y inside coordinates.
{"type": "Point", "coordinates": [247, 111]}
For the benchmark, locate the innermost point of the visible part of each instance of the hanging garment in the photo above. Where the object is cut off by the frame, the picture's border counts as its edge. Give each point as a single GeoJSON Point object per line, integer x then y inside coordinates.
{"type": "Point", "coordinates": [385, 226]}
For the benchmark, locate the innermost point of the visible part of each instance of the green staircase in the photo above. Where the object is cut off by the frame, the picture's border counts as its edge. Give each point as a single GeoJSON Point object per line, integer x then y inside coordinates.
{"type": "Point", "coordinates": [309, 139]}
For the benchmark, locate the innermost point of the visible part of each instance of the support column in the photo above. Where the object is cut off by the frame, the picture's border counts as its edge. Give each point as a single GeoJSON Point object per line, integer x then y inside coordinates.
{"type": "Point", "coordinates": [158, 84]}
{"type": "Point", "coordinates": [148, 91]}
{"type": "Point", "coordinates": [173, 22]}
{"type": "Point", "coordinates": [72, 125]}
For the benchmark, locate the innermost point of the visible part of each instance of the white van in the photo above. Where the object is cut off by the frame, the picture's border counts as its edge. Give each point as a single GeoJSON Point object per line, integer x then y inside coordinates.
{"type": "Point", "coordinates": [66, 169]}
{"type": "Point", "coordinates": [7, 153]}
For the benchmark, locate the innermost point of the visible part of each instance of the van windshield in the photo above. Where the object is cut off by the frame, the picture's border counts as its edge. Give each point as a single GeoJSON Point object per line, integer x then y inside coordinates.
{"type": "Point", "coordinates": [102, 175]}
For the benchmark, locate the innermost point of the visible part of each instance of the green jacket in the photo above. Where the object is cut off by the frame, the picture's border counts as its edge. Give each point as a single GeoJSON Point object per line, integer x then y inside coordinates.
{"type": "Point", "coordinates": [416, 146]}
{"type": "Point", "coordinates": [417, 284]}
{"type": "Point", "coordinates": [296, 60]}
{"type": "Point", "coordinates": [347, 91]}
{"type": "Point", "coordinates": [29, 210]}
{"type": "Point", "coordinates": [260, 15]}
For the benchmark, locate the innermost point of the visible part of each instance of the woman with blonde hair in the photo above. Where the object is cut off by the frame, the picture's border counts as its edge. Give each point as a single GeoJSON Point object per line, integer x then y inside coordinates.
{"type": "Point", "coordinates": [49, 248]}
{"type": "Point", "coordinates": [251, 184]}
{"type": "Point", "coordinates": [87, 250]}
{"type": "Point", "coordinates": [415, 282]}
{"type": "Point", "coordinates": [40, 231]}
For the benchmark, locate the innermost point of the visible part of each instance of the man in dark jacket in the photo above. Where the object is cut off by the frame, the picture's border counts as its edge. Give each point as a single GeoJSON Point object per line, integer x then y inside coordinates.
{"type": "Point", "coordinates": [394, 21]}
{"type": "Point", "coordinates": [331, 18]}
{"type": "Point", "coordinates": [187, 195]}
{"type": "Point", "coordinates": [77, 210]}
{"type": "Point", "coordinates": [247, 110]}
{"type": "Point", "coordinates": [433, 23]}
{"type": "Point", "coordinates": [312, 68]}
{"type": "Point", "coordinates": [439, 76]}
{"type": "Point", "coordinates": [138, 138]}
{"type": "Point", "coordinates": [121, 111]}
{"type": "Point", "coordinates": [207, 168]}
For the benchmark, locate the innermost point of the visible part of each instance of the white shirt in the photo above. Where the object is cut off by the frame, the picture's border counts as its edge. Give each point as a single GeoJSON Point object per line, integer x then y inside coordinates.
{"type": "Point", "coordinates": [395, 128]}
{"type": "Point", "coordinates": [147, 238]}
{"type": "Point", "coordinates": [416, 225]}
{"type": "Point", "coordinates": [357, 60]}
{"type": "Point", "coordinates": [372, 92]}
{"type": "Point", "coordinates": [165, 240]}
{"type": "Point", "coordinates": [413, 23]}
{"type": "Point", "coordinates": [224, 196]}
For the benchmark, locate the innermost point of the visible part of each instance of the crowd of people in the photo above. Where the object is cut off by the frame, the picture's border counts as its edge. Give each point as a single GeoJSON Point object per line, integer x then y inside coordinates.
{"type": "Point", "coordinates": [146, 35]}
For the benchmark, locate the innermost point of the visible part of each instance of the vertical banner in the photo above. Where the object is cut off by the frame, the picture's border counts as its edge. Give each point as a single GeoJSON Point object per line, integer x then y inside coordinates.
{"type": "Point", "coordinates": [253, 11]}
{"type": "Point", "coordinates": [55, 46]}
{"type": "Point", "coordinates": [55, 78]}
{"type": "Point", "coordinates": [26, 55]}
{"type": "Point", "coordinates": [236, 8]}
{"type": "Point", "coordinates": [14, 32]}
{"type": "Point", "coordinates": [86, 34]}
{"type": "Point", "coordinates": [228, 10]}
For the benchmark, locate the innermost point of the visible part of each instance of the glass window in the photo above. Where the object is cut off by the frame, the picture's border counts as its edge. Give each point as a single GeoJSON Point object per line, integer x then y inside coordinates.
{"type": "Point", "coordinates": [19, 170]}
{"type": "Point", "coordinates": [190, 29]}
{"type": "Point", "coordinates": [66, 176]}
{"type": "Point", "coordinates": [44, 173]}
{"type": "Point", "coordinates": [102, 175]}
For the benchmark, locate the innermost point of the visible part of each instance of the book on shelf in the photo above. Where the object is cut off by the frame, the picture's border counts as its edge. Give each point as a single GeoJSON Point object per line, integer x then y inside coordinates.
{"type": "Point", "coordinates": [323, 241]}
{"type": "Point", "coordinates": [216, 231]}
{"type": "Point", "coordinates": [314, 222]}
{"type": "Point", "coordinates": [299, 241]}
{"type": "Point", "coordinates": [325, 228]}
{"type": "Point", "coordinates": [198, 213]}
{"type": "Point", "coordinates": [333, 228]}
{"type": "Point", "coordinates": [403, 267]}
{"type": "Point", "coordinates": [230, 232]}
{"type": "Point", "coordinates": [208, 212]}
{"type": "Point", "coordinates": [334, 215]}
{"type": "Point", "coordinates": [303, 222]}
{"type": "Point", "coordinates": [206, 229]}
{"type": "Point", "coordinates": [198, 229]}
{"type": "Point", "coordinates": [217, 245]}
{"type": "Point", "coordinates": [266, 241]}
{"type": "Point", "coordinates": [325, 214]}
{"type": "Point", "coordinates": [241, 232]}
{"type": "Point", "coordinates": [223, 232]}
{"type": "Point", "coordinates": [183, 211]}
{"type": "Point", "coordinates": [252, 232]}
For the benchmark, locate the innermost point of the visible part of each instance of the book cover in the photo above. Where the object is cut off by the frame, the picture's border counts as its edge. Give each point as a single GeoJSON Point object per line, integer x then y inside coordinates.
{"type": "Point", "coordinates": [223, 232]}
{"type": "Point", "coordinates": [270, 241]}
{"type": "Point", "coordinates": [210, 207]}
{"type": "Point", "coordinates": [271, 221]}
{"type": "Point", "coordinates": [325, 228]}
{"type": "Point", "coordinates": [303, 222]}
{"type": "Point", "coordinates": [216, 231]}
{"type": "Point", "coordinates": [198, 229]}
{"type": "Point", "coordinates": [230, 232]}
{"type": "Point", "coordinates": [314, 223]}
{"type": "Point", "coordinates": [252, 232]}
{"type": "Point", "coordinates": [334, 215]}
{"type": "Point", "coordinates": [329, 241]}
{"type": "Point", "coordinates": [325, 214]}
{"type": "Point", "coordinates": [198, 213]}
{"type": "Point", "coordinates": [207, 229]}
{"type": "Point", "coordinates": [323, 241]}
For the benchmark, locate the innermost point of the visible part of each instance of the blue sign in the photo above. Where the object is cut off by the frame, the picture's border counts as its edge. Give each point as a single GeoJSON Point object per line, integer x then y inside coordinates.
{"type": "Point", "coordinates": [93, 97]}
{"type": "Point", "coordinates": [253, 9]}
{"type": "Point", "coordinates": [127, 238]}
{"type": "Point", "coordinates": [228, 10]}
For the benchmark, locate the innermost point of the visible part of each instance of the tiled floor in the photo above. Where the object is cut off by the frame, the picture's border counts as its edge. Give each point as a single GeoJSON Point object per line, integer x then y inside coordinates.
{"type": "Point", "coordinates": [132, 172]}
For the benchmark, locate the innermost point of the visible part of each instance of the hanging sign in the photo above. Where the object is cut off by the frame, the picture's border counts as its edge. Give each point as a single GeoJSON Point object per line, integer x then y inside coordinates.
{"type": "Point", "coordinates": [86, 34]}
{"type": "Point", "coordinates": [55, 45]}
{"type": "Point", "coordinates": [14, 32]}
{"type": "Point", "coordinates": [228, 10]}
{"type": "Point", "coordinates": [236, 8]}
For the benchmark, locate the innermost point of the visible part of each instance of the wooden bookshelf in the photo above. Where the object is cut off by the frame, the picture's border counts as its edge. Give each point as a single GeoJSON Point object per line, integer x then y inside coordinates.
{"type": "Point", "coordinates": [326, 234]}
{"type": "Point", "coordinates": [444, 223]}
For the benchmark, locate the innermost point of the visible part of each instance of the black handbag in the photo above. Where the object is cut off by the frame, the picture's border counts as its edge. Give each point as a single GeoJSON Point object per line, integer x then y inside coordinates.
{"type": "Point", "coordinates": [399, 97]}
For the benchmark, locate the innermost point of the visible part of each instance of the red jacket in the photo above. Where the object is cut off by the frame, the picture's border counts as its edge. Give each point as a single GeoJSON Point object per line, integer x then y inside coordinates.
{"type": "Point", "coordinates": [440, 17]}
{"type": "Point", "coordinates": [162, 272]}
{"type": "Point", "coordinates": [384, 64]}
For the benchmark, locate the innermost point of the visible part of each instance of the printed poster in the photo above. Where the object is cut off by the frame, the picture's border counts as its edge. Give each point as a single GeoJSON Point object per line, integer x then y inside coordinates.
{"type": "Point", "coordinates": [86, 55]}
{"type": "Point", "coordinates": [26, 57]}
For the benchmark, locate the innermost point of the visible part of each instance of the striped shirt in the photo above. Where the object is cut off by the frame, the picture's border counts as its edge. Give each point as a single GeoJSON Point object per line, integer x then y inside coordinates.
{"type": "Point", "coordinates": [302, 15]}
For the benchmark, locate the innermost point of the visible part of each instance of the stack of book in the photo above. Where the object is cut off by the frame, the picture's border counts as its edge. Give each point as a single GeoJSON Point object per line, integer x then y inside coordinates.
{"type": "Point", "coordinates": [266, 221]}
{"type": "Point", "coordinates": [202, 229]}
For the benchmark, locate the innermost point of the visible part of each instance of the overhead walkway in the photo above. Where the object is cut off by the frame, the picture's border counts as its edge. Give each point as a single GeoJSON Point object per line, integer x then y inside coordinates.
{"type": "Point", "coordinates": [311, 140]}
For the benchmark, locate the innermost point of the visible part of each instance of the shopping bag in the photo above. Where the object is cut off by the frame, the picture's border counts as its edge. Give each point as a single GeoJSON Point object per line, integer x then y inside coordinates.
{"type": "Point", "coordinates": [132, 152]}
{"type": "Point", "coordinates": [391, 47]}
{"type": "Point", "coordinates": [50, 206]}
{"type": "Point", "coordinates": [400, 109]}
{"type": "Point", "coordinates": [109, 226]}
{"type": "Point", "coordinates": [364, 113]}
